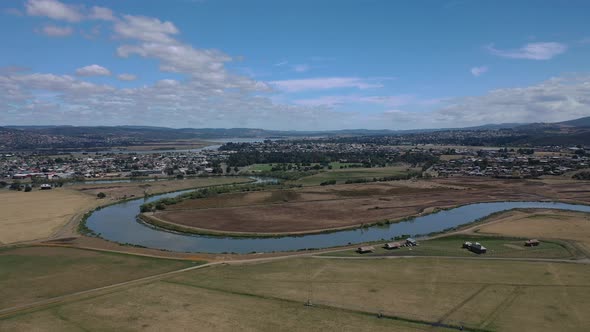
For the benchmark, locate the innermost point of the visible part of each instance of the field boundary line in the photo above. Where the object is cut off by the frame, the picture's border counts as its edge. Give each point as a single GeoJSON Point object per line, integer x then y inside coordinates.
{"type": "Point", "coordinates": [330, 307]}
{"type": "Point", "coordinates": [35, 306]}
{"type": "Point", "coordinates": [516, 292]}
{"type": "Point", "coordinates": [463, 303]}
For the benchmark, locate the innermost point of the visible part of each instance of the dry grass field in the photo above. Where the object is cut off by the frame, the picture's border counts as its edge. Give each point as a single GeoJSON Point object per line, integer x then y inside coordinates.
{"type": "Point", "coordinates": [544, 224]}
{"type": "Point", "coordinates": [347, 293]}
{"type": "Point", "coordinates": [321, 208]}
{"type": "Point", "coordinates": [31, 274]}
{"type": "Point", "coordinates": [38, 214]}
{"type": "Point", "coordinates": [479, 294]}
{"type": "Point", "coordinates": [115, 191]}
{"type": "Point", "coordinates": [165, 306]}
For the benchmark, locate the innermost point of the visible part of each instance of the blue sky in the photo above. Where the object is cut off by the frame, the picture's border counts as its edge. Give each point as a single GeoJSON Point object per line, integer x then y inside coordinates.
{"type": "Point", "coordinates": [293, 64]}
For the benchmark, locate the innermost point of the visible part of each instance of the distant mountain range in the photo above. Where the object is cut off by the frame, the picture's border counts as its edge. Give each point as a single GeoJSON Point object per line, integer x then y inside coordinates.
{"type": "Point", "coordinates": [575, 131]}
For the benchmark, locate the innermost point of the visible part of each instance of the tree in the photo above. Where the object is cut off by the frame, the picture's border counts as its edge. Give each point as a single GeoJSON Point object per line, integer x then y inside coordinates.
{"type": "Point", "coordinates": [101, 195]}
{"type": "Point", "coordinates": [15, 185]}
{"type": "Point", "coordinates": [28, 189]}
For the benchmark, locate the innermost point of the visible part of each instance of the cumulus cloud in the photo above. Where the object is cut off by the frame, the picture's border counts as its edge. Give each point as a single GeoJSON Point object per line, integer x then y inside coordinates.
{"type": "Point", "coordinates": [324, 83]}
{"type": "Point", "coordinates": [147, 29]}
{"type": "Point", "coordinates": [532, 51]}
{"type": "Point", "coordinates": [556, 99]}
{"type": "Point", "coordinates": [93, 70]}
{"type": "Point", "coordinates": [53, 9]}
{"type": "Point", "coordinates": [126, 77]}
{"type": "Point", "coordinates": [478, 71]}
{"type": "Point", "coordinates": [205, 93]}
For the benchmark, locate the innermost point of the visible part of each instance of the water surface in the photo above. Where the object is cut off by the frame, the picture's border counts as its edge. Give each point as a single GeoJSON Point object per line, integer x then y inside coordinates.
{"type": "Point", "coordinates": [118, 223]}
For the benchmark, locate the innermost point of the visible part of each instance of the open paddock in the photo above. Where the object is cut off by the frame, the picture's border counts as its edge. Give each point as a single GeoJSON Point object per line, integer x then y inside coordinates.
{"type": "Point", "coordinates": [29, 274]}
{"type": "Point", "coordinates": [412, 294]}
{"type": "Point", "coordinates": [541, 224]}
{"type": "Point", "coordinates": [39, 213]}
{"type": "Point", "coordinates": [119, 190]}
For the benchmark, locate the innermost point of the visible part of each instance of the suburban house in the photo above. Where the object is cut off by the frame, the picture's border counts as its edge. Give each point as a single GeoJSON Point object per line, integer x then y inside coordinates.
{"type": "Point", "coordinates": [411, 242]}
{"type": "Point", "coordinates": [532, 243]}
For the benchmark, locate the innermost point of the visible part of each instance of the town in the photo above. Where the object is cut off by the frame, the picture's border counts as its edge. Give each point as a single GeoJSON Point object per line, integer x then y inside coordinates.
{"type": "Point", "coordinates": [234, 158]}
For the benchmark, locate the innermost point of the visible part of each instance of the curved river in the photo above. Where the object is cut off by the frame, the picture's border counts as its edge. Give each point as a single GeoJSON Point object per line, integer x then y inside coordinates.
{"type": "Point", "coordinates": [118, 223]}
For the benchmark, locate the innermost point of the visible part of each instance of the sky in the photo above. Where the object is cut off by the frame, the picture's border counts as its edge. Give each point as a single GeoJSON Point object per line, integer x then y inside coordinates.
{"type": "Point", "coordinates": [293, 64]}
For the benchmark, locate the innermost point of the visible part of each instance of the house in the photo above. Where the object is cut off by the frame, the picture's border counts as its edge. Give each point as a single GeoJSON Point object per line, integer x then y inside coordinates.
{"type": "Point", "coordinates": [411, 242]}
{"type": "Point", "coordinates": [45, 186]}
{"type": "Point", "coordinates": [532, 243]}
{"type": "Point", "coordinates": [392, 245]}
{"type": "Point", "coordinates": [475, 247]}
{"type": "Point", "coordinates": [364, 250]}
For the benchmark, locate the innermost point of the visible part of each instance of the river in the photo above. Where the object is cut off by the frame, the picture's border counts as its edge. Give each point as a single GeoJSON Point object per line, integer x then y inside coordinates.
{"type": "Point", "coordinates": [119, 223]}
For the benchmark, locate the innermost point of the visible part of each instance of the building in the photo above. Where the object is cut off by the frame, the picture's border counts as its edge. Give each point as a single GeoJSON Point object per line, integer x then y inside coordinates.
{"type": "Point", "coordinates": [364, 250]}
{"type": "Point", "coordinates": [476, 247]}
{"type": "Point", "coordinates": [532, 243]}
{"type": "Point", "coordinates": [392, 245]}
{"type": "Point", "coordinates": [45, 186]}
{"type": "Point", "coordinates": [411, 242]}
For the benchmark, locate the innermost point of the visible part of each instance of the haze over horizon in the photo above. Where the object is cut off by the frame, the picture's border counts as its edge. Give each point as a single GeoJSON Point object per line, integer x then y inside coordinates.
{"type": "Point", "coordinates": [293, 65]}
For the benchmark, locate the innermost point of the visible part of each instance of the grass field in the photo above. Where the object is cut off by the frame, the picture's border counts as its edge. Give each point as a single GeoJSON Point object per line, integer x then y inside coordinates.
{"type": "Point", "coordinates": [116, 191]}
{"type": "Point", "coordinates": [34, 273]}
{"type": "Point", "coordinates": [38, 214]}
{"type": "Point", "coordinates": [342, 175]}
{"type": "Point", "coordinates": [549, 224]}
{"type": "Point", "coordinates": [166, 306]}
{"type": "Point", "coordinates": [451, 246]}
{"type": "Point", "coordinates": [434, 290]}
{"type": "Point", "coordinates": [348, 294]}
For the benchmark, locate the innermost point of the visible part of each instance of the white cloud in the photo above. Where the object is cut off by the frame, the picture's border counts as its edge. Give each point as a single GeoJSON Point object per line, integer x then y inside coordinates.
{"type": "Point", "coordinates": [324, 83]}
{"type": "Point", "coordinates": [553, 100]}
{"type": "Point", "coordinates": [55, 31]}
{"type": "Point", "coordinates": [126, 77]}
{"type": "Point", "coordinates": [53, 9]}
{"type": "Point", "coordinates": [478, 71]}
{"type": "Point", "coordinates": [101, 13]}
{"type": "Point", "coordinates": [93, 70]}
{"type": "Point", "coordinates": [147, 29]}
{"type": "Point", "coordinates": [532, 51]}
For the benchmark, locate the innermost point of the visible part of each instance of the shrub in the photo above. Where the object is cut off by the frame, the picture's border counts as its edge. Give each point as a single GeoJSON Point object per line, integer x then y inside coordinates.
{"type": "Point", "coordinates": [101, 195]}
